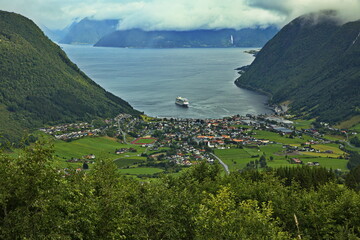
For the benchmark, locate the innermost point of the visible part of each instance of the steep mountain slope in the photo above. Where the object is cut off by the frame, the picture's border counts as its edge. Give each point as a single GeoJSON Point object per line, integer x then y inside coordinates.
{"type": "Point", "coordinates": [40, 85]}
{"type": "Point", "coordinates": [313, 62]}
{"type": "Point", "coordinates": [89, 31]}
{"type": "Point", "coordinates": [185, 39]}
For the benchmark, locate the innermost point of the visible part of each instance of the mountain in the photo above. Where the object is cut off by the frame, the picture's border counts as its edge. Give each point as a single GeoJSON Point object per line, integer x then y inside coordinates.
{"type": "Point", "coordinates": [40, 85]}
{"type": "Point", "coordinates": [57, 34]}
{"type": "Point", "coordinates": [138, 38]}
{"type": "Point", "coordinates": [54, 34]}
{"type": "Point", "coordinates": [314, 64]}
{"type": "Point", "coordinates": [89, 31]}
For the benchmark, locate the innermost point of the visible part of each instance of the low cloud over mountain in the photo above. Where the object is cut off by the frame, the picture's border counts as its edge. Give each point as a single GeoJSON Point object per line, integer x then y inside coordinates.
{"type": "Point", "coordinates": [178, 14]}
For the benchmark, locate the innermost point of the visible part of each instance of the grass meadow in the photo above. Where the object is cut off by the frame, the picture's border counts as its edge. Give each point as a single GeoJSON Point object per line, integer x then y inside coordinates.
{"type": "Point", "coordinates": [101, 147]}
{"type": "Point", "coordinates": [237, 159]}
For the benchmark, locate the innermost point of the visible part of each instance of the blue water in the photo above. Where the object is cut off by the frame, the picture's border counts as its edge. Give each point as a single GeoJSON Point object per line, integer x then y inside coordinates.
{"type": "Point", "coordinates": [151, 79]}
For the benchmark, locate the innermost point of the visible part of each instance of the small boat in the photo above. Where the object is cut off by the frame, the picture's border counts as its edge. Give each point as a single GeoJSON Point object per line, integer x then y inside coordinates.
{"type": "Point", "coordinates": [182, 102]}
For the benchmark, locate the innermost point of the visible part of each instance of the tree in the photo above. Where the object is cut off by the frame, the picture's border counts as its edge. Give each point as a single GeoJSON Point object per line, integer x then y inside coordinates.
{"type": "Point", "coordinates": [221, 217]}
{"type": "Point", "coordinates": [262, 161]}
{"type": "Point", "coordinates": [354, 160]}
{"type": "Point", "coordinates": [356, 141]}
{"type": "Point", "coordinates": [352, 179]}
{"type": "Point", "coordinates": [30, 191]}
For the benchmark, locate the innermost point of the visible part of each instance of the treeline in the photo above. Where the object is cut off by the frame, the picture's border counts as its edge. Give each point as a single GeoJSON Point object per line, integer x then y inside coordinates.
{"type": "Point", "coordinates": [40, 202]}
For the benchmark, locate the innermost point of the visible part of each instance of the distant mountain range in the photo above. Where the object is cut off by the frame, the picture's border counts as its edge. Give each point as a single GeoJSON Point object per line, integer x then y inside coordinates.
{"type": "Point", "coordinates": [104, 33]}
{"type": "Point", "coordinates": [137, 38]}
{"type": "Point", "coordinates": [40, 85]}
{"type": "Point", "coordinates": [55, 34]}
{"type": "Point", "coordinates": [89, 31]}
{"type": "Point", "coordinates": [313, 63]}
{"type": "Point", "coordinates": [85, 31]}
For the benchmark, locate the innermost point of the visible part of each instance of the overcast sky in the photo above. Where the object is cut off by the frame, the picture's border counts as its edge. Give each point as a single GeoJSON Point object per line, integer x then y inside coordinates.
{"type": "Point", "coordinates": [177, 14]}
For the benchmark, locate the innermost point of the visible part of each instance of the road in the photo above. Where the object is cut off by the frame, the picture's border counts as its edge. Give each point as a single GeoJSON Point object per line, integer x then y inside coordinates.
{"type": "Point", "coordinates": [349, 144]}
{"type": "Point", "coordinates": [222, 163]}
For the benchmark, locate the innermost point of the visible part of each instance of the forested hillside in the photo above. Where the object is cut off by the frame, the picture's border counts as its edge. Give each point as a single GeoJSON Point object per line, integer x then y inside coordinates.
{"type": "Point", "coordinates": [41, 202]}
{"type": "Point", "coordinates": [314, 63]}
{"type": "Point", "coordinates": [40, 85]}
{"type": "Point", "coordinates": [138, 38]}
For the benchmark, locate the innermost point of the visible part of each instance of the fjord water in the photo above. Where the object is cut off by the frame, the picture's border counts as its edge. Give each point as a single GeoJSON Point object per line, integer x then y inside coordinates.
{"type": "Point", "coordinates": [151, 79]}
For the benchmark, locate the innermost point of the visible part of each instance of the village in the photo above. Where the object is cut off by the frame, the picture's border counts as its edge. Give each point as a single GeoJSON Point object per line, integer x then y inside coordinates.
{"type": "Point", "coordinates": [185, 142]}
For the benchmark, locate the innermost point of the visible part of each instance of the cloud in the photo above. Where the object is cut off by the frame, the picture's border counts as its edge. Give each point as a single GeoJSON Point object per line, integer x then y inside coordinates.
{"type": "Point", "coordinates": [348, 10]}
{"type": "Point", "coordinates": [178, 14]}
{"type": "Point", "coordinates": [191, 14]}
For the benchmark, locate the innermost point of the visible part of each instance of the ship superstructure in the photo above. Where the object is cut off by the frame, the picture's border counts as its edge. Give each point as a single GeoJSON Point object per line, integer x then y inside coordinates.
{"type": "Point", "coordinates": [182, 102]}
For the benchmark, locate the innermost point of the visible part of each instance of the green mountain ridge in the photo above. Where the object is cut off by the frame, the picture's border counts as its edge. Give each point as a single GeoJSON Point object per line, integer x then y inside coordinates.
{"type": "Point", "coordinates": [314, 63]}
{"type": "Point", "coordinates": [40, 85]}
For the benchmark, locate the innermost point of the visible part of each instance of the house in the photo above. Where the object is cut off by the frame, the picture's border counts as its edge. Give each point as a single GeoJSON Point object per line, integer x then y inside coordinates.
{"type": "Point", "coordinates": [90, 156]}
{"type": "Point", "coordinates": [295, 161]}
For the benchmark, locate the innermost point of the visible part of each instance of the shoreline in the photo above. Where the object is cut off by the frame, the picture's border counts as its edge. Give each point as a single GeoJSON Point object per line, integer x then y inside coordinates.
{"type": "Point", "coordinates": [260, 91]}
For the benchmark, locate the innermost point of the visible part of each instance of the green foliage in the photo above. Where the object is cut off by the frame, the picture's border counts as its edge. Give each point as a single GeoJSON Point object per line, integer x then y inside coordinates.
{"type": "Point", "coordinates": [38, 201]}
{"type": "Point", "coordinates": [355, 141]}
{"type": "Point", "coordinates": [306, 177]}
{"type": "Point", "coordinates": [354, 160]}
{"type": "Point", "coordinates": [313, 63]}
{"type": "Point", "coordinates": [352, 179]}
{"type": "Point", "coordinates": [40, 85]}
{"type": "Point", "coordinates": [220, 217]}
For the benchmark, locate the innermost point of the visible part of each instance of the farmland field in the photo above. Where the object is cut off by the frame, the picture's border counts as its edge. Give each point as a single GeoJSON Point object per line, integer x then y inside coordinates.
{"type": "Point", "coordinates": [272, 136]}
{"type": "Point", "coordinates": [356, 128]}
{"type": "Point", "coordinates": [101, 147]}
{"type": "Point", "coordinates": [237, 159]}
{"type": "Point", "coordinates": [125, 162]}
{"type": "Point", "coordinates": [144, 141]}
{"type": "Point", "coordinates": [140, 171]}
{"type": "Point", "coordinates": [303, 124]}
{"type": "Point", "coordinates": [334, 137]}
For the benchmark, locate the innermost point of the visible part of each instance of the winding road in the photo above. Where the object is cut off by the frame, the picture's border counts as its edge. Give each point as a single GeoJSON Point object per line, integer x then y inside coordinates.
{"type": "Point", "coordinates": [222, 163]}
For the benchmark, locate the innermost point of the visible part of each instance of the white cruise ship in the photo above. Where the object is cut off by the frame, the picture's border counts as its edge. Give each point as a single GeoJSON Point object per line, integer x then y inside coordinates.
{"type": "Point", "coordinates": [182, 102]}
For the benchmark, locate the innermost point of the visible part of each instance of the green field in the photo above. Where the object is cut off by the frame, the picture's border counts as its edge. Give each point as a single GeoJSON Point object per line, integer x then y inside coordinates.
{"type": "Point", "coordinates": [144, 141]}
{"type": "Point", "coordinates": [333, 163]}
{"type": "Point", "coordinates": [101, 147]}
{"type": "Point", "coordinates": [275, 137]}
{"type": "Point", "coordinates": [253, 151]}
{"type": "Point", "coordinates": [303, 124]}
{"type": "Point", "coordinates": [271, 149]}
{"type": "Point", "coordinates": [352, 123]}
{"type": "Point", "coordinates": [125, 162]}
{"type": "Point", "coordinates": [140, 171]}
{"type": "Point", "coordinates": [324, 147]}
{"type": "Point", "coordinates": [334, 137]}
{"type": "Point", "coordinates": [237, 159]}
{"type": "Point", "coordinates": [281, 162]}
{"type": "Point", "coordinates": [356, 128]}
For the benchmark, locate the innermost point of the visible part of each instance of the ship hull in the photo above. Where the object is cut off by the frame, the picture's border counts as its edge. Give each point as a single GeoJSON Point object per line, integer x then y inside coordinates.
{"type": "Point", "coordinates": [182, 105]}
